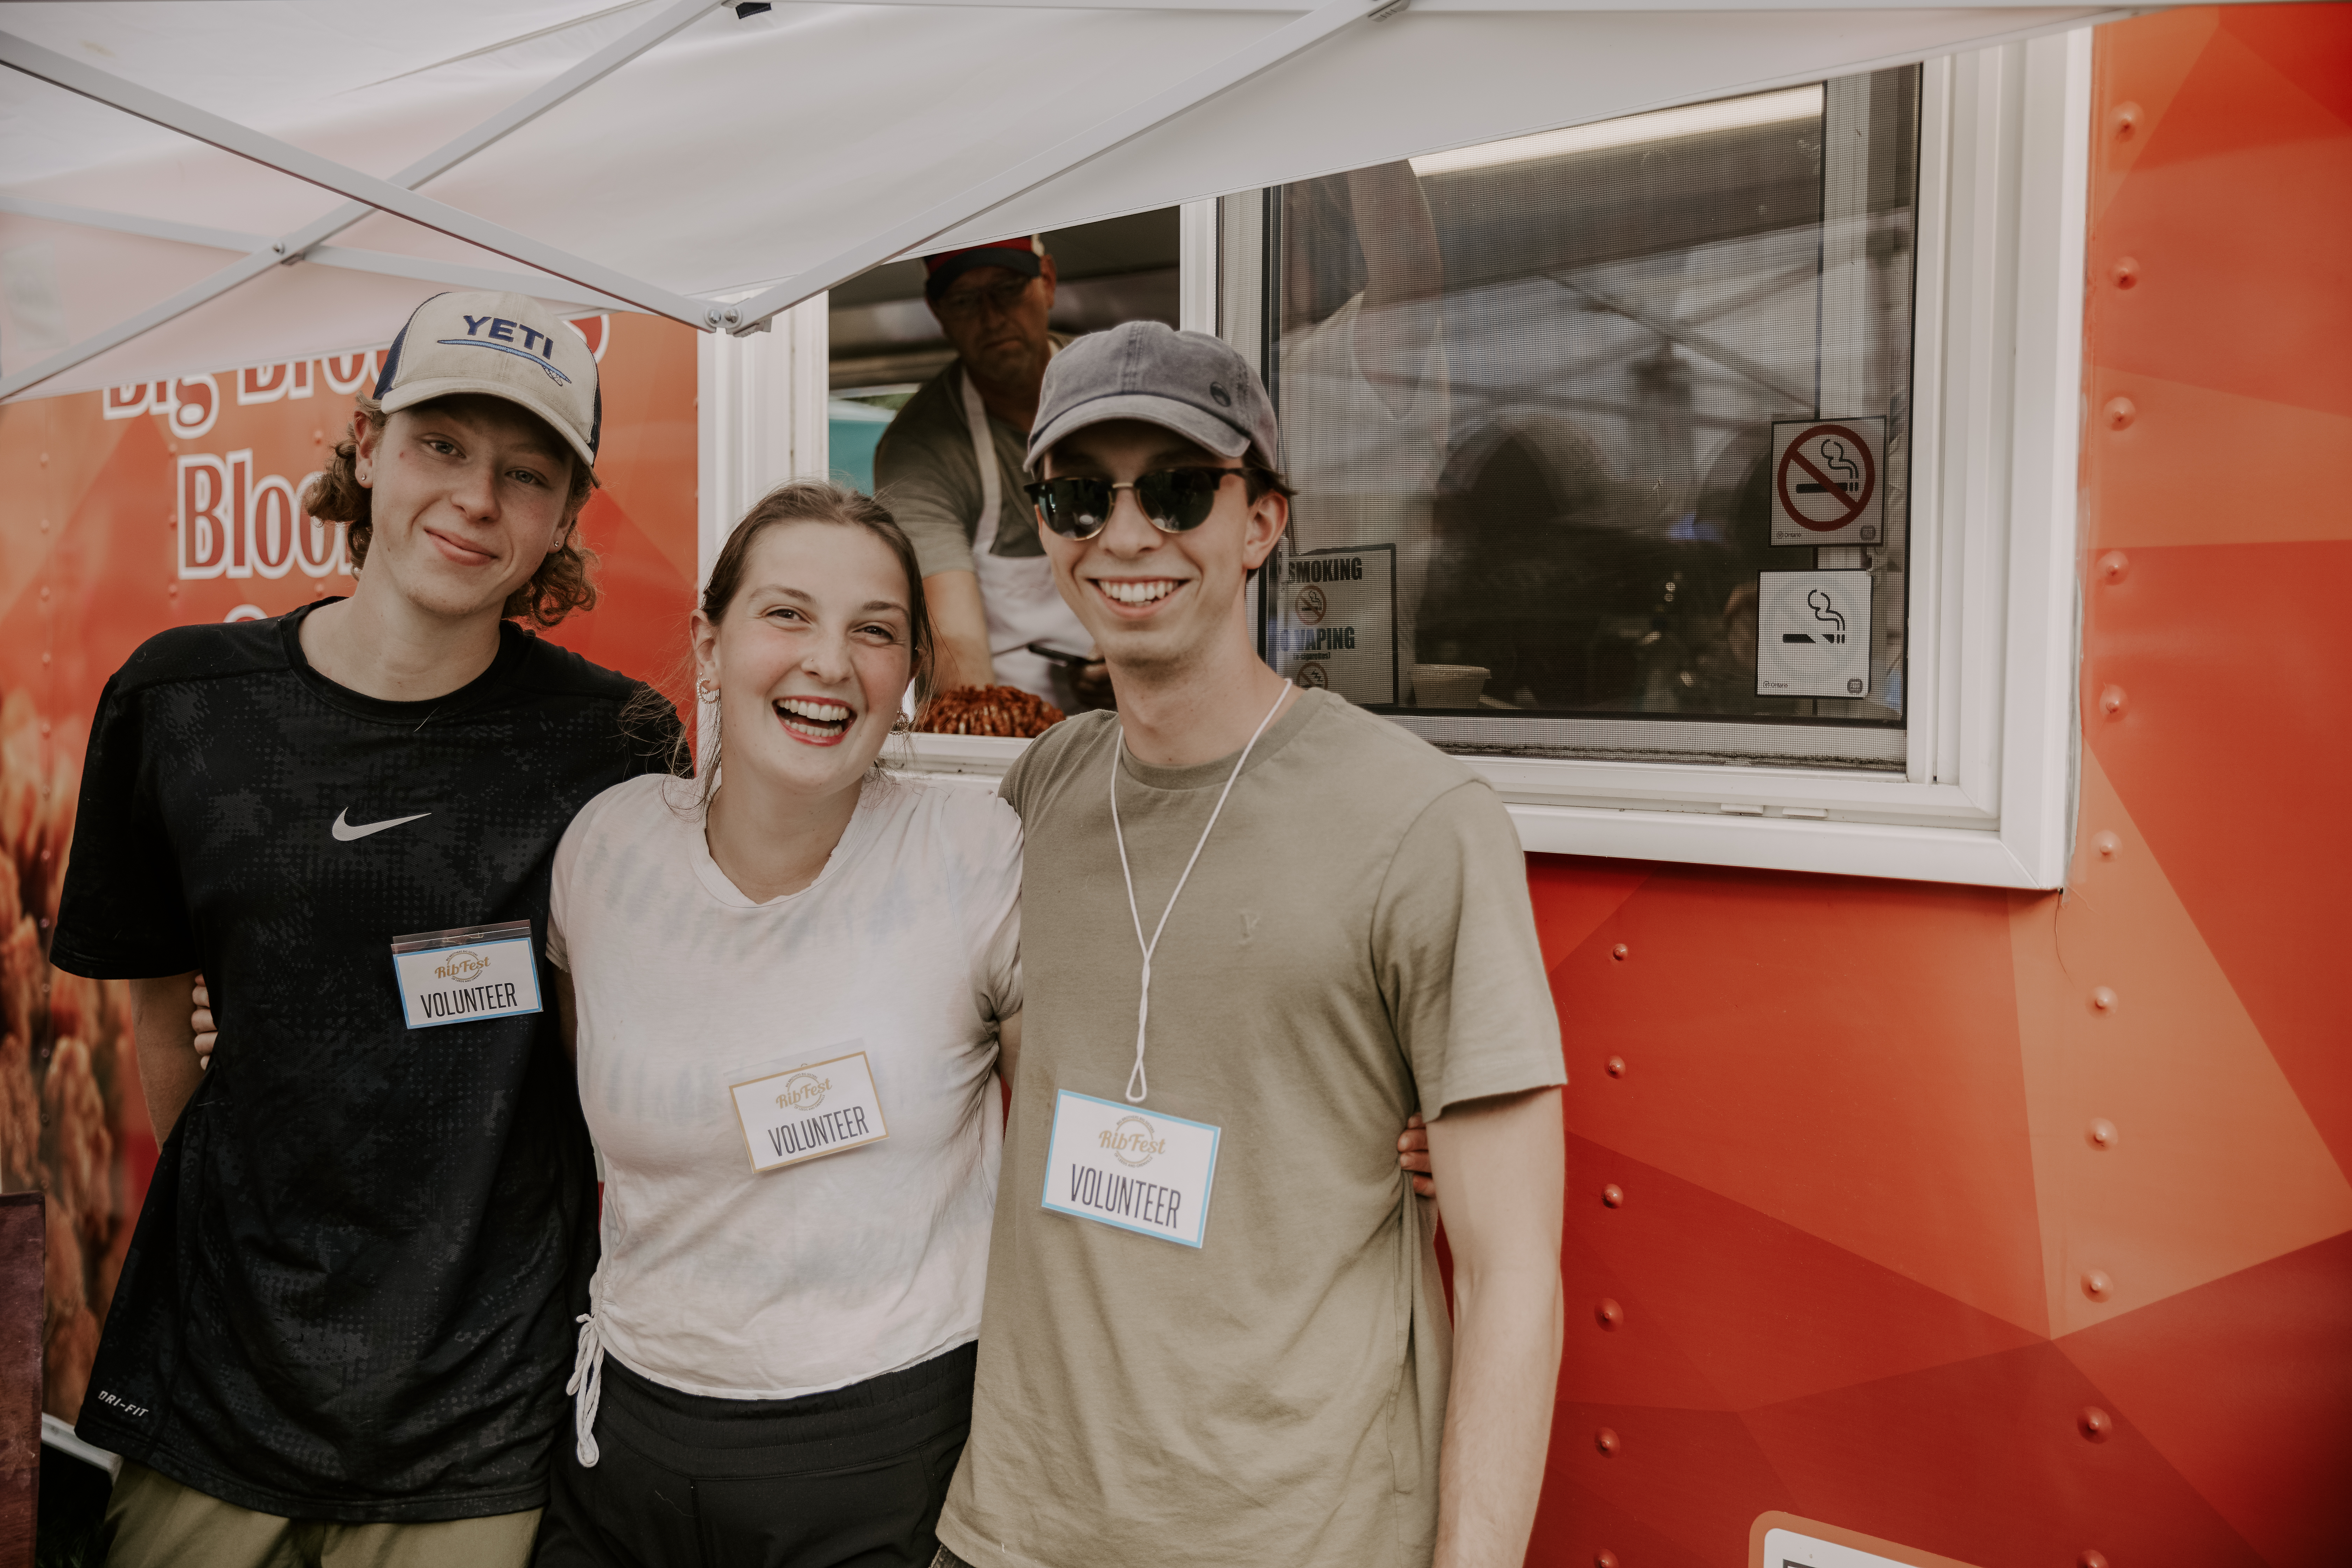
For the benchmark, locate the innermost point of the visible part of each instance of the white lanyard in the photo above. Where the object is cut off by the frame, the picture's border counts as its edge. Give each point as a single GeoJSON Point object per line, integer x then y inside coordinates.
{"type": "Point", "coordinates": [1139, 1086]}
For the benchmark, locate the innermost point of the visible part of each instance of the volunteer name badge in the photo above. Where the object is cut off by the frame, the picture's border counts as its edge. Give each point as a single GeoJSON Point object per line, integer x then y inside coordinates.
{"type": "Point", "coordinates": [466, 975]}
{"type": "Point", "coordinates": [1138, 1170]}
{"type": "Point", "coordinates": [810, 1112]}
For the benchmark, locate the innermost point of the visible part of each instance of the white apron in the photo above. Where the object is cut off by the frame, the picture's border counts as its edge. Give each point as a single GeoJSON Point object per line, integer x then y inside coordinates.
{"type": "Point", "coordinates": [1023, 607]}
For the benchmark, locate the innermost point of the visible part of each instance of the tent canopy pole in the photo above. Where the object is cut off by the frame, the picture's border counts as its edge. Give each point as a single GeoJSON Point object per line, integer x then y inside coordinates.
{"type": "Point", "coordinates": [371, 194]}
{"type": "Point", "coordinates": [1064, 155]}
{"type": "Point", "coordinates": [384, 263]}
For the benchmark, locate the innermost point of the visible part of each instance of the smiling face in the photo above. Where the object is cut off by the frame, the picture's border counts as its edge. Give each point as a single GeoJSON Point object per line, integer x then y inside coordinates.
{"type": "Point", "coordinates": [810, 657]}
{"type": "Point", "coordinates": [467, 497]}
{"type": "Point", "coordinates": [1157, 601]}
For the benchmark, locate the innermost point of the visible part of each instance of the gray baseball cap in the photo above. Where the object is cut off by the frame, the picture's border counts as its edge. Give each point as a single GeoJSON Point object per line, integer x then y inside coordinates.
{"type": "Point", "coordinates": [1190, 383]}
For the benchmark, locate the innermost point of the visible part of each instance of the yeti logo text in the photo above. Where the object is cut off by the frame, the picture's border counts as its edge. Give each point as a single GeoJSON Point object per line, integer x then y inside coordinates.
{"type": "Point", "coordinates": [498, 332]}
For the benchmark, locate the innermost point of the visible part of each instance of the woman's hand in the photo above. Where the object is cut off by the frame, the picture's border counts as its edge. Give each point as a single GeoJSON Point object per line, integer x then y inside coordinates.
{"type": "Point", "coordinates": [1412, 1154]}
{"type": "Point", "coordinates": [208, 1033]}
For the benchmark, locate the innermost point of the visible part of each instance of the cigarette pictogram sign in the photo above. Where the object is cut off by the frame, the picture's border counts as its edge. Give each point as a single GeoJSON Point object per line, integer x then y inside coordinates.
{"type": "Point", "coordinates": [1334, 622]}
{"type": "Point", "coordinates": [1825, 482]}
{"type": "Point", "coordinates": [1813, 634]}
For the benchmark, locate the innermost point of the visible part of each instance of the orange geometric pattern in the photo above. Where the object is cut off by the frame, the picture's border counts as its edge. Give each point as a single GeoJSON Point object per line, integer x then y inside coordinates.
{"type": "Point", "coordinates": [2017, 1228]}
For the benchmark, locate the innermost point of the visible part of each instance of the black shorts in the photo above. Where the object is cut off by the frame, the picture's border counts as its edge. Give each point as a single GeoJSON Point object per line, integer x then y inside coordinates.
{"type": "Point", "coordinates": [853, 1477]}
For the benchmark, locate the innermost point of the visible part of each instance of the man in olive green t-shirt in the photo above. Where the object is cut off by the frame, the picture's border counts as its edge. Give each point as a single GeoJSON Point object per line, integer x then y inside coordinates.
{"type": "Point", "coordinates": [1214, 1332]}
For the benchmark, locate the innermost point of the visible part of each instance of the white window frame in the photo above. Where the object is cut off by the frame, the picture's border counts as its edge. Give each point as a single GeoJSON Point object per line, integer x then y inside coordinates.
{"type": "Point", "coordinates": [1986, 796]}
{"type": "Point", "coordinates": [759, 419]}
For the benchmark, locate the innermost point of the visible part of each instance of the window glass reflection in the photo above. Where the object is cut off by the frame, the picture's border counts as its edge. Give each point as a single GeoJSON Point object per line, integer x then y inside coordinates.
{"type": "Point", "coordinates": [1540, 399]}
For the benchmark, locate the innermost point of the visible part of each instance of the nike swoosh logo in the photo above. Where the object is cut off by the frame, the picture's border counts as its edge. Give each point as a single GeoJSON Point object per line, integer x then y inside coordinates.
{"type": "Point", "coordinates": [345, 832]}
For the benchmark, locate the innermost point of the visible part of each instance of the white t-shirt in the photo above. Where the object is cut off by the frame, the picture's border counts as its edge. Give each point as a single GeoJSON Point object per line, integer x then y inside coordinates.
{"type": "Point", "coordinates": [719, 1280]}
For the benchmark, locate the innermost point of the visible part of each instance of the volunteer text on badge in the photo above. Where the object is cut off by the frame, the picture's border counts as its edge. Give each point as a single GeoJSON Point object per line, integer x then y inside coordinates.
{"type": "Point", "coordinates": [464, 975]}
{"type": "Point", "coordinates": [808, 1112]}
{"type": "Point", "coordinates": [1137, 1170]}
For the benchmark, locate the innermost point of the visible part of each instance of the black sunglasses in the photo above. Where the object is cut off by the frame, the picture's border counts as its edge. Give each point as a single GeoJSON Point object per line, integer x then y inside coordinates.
{"type": "Point", "coordinates": [1177, 500]}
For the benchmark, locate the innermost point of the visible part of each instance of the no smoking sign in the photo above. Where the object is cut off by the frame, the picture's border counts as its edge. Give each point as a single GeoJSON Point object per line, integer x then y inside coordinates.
{"type": "Point", "coordinates": [1827, 484]}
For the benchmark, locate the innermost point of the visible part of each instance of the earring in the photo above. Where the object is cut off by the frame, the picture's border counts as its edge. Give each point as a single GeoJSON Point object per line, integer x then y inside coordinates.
{"type": "Point", "coordinates": [901, 725]}
{"type": "Point", "coordinates": [707, 688]}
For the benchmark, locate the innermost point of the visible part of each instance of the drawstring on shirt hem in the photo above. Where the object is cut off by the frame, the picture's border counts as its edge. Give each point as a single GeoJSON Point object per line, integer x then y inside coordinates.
{"type": "Point", "coordinates": [587, 1389]}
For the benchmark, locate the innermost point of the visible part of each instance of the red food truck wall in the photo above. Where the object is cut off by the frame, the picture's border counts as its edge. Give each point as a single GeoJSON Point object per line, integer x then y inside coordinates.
{"type": "Point", "coordinates": [127, 511]}
{"type": "Point", "coordinates": [2014, 1228]}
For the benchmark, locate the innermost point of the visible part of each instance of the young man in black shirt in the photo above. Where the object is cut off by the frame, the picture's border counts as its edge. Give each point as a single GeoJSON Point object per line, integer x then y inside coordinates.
{"type": "Point", "coordinates": [342, 1331]}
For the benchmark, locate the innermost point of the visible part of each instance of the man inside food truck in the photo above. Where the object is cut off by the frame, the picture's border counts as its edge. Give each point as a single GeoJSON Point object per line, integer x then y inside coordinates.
{"type": "Point", "coordinates": [949, 467]}
{"type": "Point", "coordinates": [1259, 926]}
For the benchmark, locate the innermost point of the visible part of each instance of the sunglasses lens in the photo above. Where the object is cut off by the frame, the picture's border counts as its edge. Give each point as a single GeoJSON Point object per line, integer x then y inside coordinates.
{"type": "Point", "coordinates": [1074, 508]}
{"type": "Point", "coordinates": [1178, 500]}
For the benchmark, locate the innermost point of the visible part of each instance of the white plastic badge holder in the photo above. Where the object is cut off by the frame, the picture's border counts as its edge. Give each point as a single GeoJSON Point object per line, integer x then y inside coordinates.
{"type": "Point", "coordinates": [464, 976]}
{"type": "Point", "coordinates": [810, 1112]}
{"type": "Point", "coordinates": [1138, 1170]}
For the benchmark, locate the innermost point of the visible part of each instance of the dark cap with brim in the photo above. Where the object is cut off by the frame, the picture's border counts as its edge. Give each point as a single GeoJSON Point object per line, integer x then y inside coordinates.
{"type": "Point", "coordinates": [1021, 255]}
{"type": "Point", "coordinates": [1190, 383]}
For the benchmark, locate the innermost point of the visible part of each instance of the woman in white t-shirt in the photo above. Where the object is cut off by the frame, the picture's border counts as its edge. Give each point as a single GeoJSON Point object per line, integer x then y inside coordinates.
{"type": "Point", "coordinates": [777, 1364]}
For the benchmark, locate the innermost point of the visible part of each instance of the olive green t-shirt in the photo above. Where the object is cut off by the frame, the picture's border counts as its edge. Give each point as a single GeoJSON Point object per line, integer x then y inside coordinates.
{"type": "Point", "coordinates": [1355, 944]}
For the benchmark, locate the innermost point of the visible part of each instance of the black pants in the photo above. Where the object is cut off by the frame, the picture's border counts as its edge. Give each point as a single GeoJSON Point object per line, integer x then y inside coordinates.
{"type": "Point", "coordinates": [849, 1478]}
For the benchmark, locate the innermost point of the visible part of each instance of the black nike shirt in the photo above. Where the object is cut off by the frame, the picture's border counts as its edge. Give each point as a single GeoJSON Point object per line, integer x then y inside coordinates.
{"type": "Point", "coordinates": [350, 1293]}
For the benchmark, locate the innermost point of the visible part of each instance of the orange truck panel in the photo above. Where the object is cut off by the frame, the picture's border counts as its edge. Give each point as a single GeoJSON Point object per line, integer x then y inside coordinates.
{"type": "Point", "coordinates": [1916, 1237]}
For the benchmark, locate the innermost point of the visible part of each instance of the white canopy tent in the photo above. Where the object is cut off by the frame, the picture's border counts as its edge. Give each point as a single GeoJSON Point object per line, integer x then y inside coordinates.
{"type": "Point", "coordinates": [186, 186]}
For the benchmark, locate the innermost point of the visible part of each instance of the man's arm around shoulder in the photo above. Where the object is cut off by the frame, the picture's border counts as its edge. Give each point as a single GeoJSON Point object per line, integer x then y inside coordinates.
{"type": "Point", "coordinates": [1500, 1163]}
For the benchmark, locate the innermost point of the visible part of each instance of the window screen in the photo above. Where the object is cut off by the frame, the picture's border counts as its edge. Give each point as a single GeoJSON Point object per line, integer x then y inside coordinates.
{"type": "Point", "coordinates": [1602, 435]}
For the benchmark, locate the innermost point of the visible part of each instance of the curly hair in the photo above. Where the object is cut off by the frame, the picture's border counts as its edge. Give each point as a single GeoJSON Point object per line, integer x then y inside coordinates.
{"type": "Point", "coordinates": [560, 585]}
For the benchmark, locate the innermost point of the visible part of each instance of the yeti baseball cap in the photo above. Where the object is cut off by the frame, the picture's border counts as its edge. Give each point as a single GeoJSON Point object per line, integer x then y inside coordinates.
{"type": "Point", "coordinates": [501, 345]}
{"type": "Point", "coordinates": [1190, 383]}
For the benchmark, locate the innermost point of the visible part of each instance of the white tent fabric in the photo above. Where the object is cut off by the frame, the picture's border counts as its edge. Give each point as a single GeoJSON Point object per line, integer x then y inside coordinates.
{"type": "Point", "coordinates": [743, 152]}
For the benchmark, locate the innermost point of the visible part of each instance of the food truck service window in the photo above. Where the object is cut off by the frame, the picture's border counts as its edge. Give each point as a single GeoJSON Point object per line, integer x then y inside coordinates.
{"type": "Point", "coordinates": [1705, 476]}
{"type": "Point", "coordinates": [1603, 436]}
